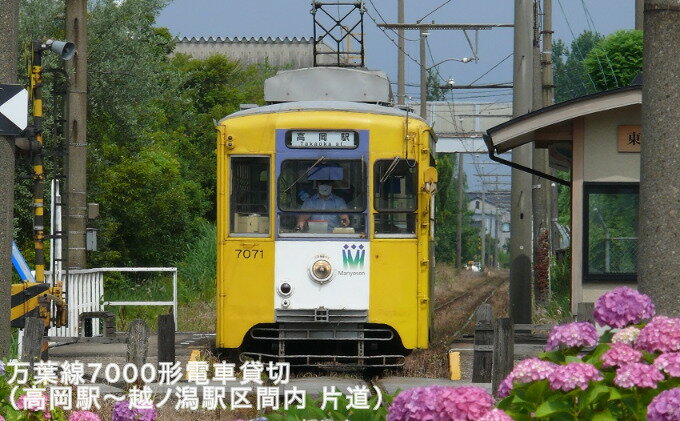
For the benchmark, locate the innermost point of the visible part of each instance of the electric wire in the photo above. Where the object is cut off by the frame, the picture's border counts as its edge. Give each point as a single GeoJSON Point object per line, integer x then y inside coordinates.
{"type": "Point", "coordinates": [385, 21]}
{"type": "Point", "coordinates": [559, 2]}
{"type": "Point", "coordinates": [591, 25]}
{"type": "Point", "coordinates": [437, 8]}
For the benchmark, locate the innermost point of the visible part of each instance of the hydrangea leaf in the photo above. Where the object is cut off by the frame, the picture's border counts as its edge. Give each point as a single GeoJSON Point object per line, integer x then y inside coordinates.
{"type": "Point", "coordinates": [605, 415]}
{"type": "Point", "coordinates": [552, 406]}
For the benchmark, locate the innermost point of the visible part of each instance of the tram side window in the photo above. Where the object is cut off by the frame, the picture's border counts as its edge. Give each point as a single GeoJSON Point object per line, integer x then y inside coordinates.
{"type": "Point", "coordinates": [395, 196]}
{"type": "Point", "coordinates": [249, 197]}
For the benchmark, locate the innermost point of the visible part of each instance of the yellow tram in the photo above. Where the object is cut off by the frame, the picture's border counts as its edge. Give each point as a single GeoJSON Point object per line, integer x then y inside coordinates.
{"type": "Point", "coordinates": [325, 223]}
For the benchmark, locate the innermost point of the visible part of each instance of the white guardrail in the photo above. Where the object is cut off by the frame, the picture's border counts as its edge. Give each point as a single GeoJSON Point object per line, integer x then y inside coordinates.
{"type": "Point", "coordinates": [85, 292]}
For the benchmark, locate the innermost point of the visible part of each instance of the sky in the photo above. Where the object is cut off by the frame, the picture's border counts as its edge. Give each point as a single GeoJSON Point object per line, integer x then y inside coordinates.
{"type": "Point", "coordinates": [292, 18]}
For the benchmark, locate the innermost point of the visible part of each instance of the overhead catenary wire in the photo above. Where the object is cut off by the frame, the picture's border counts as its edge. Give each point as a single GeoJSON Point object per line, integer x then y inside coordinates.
{"type": "Point", "coordinates": [591, 25]}
{"type": "Point", "coordinates": [571, 31]}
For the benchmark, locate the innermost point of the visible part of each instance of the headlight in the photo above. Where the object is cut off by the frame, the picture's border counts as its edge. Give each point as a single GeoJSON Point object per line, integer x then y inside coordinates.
{"type": "Point", "coordinates": [321, 271]}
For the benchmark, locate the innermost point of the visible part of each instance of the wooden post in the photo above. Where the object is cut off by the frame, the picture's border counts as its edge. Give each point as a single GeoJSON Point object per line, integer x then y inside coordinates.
{"type": "Point", "coordinates": [138, 343]}
{"type": "Point", "coordinates": [33, 339]}
{"type": "Point", "coordinates": [483, 349]}
{"type": "Point", "coordinates": [584, 312]}
{"type": "Point", "coordinates": [166, 338]}
{"type": "Point", "coordinates": [503, 351]}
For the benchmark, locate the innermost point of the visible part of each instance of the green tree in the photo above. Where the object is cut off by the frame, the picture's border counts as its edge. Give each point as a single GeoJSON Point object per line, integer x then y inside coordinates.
{"type": "Point", "coordinates": [570, 75]}
{"type": "Point", "coordinates": [615, 60]}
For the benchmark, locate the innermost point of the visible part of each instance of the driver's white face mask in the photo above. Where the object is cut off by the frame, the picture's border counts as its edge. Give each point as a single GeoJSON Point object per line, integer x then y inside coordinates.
{"type": "Point", "coordinates": [325, 189]}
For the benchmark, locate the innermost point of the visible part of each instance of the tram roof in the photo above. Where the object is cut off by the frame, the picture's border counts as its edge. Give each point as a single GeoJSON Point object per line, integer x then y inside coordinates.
{"type": "Point", "coordinates": [346, 106]}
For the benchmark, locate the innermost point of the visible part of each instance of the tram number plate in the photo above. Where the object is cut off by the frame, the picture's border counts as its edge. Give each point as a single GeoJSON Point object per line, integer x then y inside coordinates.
{"type": "Point", "coordinates": [249, 254]}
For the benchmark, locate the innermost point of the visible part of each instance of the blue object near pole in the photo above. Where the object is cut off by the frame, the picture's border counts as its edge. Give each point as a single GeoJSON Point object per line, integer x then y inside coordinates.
{"type": "Point", "coordinates": [20, 264]}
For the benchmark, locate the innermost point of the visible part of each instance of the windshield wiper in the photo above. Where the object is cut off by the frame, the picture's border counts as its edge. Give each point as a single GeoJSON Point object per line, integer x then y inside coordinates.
{"type": "Point", "coordinates": [390, 169]}
{"type": "Point", "coordinates": [318, 161]}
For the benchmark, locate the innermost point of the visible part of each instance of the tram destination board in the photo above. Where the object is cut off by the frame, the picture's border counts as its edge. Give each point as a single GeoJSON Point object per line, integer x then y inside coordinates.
{"type": "Point", "coordinates": [324, 139]}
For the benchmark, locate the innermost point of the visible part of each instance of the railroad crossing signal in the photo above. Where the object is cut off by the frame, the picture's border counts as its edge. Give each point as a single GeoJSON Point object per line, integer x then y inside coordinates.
{"type": "Point", "coordinates": [13, 109]}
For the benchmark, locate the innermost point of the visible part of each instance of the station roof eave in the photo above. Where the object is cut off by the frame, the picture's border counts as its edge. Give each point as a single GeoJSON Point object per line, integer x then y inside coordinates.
{"type": "Point", "coordinates": [553, 124]}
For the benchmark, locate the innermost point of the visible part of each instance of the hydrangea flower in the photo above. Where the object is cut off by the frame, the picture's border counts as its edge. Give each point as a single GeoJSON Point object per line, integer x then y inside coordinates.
{"type": "Point", "coordinates": [570, 376]}
{"type": "Point", "coordinates": [83, 416]}
{"type": "Point", "coordinates": [623, 306]}
{"type": "Point", "coordinates": [661, 334]}
{"type": "Point", "coordinates": [526, 371]}
{"type": "Point", "coordinates": [638, 375]}
{"type": "Point", "coordinates": [572, 334]}
{"type": "Point", "coordinates": [496, 415]}
{"type": "Point", "coordinates": [669, 362]}
{"type": "Point", "coordinates": [419, 403]}
{"type": "Point", "coordinates": [2, 418]}
{"type": "Point", "coordinates": [123, 412]}
{"type": "Point", "coordinates": [626, 336]}
{"type": "Point", "coordinates": [620, 354]}
{"type": "Point", "coordinates": [665, 406]}
{"type": "Point", "coordinates": [466, 403]}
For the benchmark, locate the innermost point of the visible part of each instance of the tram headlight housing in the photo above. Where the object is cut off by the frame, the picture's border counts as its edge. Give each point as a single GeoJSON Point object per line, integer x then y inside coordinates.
{"type": "Point", "coordinates": [321, 271]}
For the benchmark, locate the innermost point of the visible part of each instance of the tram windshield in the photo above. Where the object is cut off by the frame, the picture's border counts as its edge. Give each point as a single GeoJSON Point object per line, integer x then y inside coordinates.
{"type": "Point", "coordinates": [322, 196]}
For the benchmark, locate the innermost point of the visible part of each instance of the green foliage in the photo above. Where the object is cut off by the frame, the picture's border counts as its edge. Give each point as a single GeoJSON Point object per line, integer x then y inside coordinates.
{"type": "Point", "coordinates": [570, 75]}
{"type": "Point", "coordinates": [615, 60]}
{"type": "Point", "coordinates": [446, 211]}
{"type": "Point", "coordinates": [197, 270]}
{"type": "Point", "coordinates": [434, 92]}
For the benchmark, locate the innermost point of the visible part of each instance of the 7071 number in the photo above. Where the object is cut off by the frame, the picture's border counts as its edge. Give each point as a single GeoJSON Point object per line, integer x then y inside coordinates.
{"type": "Point", "coordinates": [249, 254]}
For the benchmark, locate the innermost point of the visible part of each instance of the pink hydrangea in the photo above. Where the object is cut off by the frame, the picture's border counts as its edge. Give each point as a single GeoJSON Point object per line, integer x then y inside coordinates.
{"type": "Point", "coordinates": [626, 336]}
{"type": "Point", "coordinates": [576, 334]}
{"type": "Point", "coordinates": [2, 418]}
{"type": "Point", "coordinates": [83, 416]}
{"type": "Point", "coordinates": [526, 371]}
{"type": "Point", "coordinates": [415, 404]}
{"type": "Point", "coordinates": [496, 415]}
{"type": "Point", "coordinates": [466, 403]}
{"type": "Point", "coordinates": [638, 375]}
{"type": "Point", "coordinates": [620, 354]}
{"type": "Point", "coordinates": [665, 406]}
{"type": "Point", "coordinates": [661, 334]}
{"type": "Point", "coordinates": [669, 362]}
{"type": "Point", "coordinates": [623, 306]}
{"type": "Point", "coordinates": [569, 377]}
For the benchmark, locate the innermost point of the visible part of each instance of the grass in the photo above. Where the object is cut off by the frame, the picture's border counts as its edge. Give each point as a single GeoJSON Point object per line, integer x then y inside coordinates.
{"type": "Point", "coordinates": [195, 289]}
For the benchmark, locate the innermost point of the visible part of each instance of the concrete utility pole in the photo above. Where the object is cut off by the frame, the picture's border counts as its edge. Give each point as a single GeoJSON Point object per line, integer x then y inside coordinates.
{"type": "Point", "coordinates": [9, 30]}
{"type": "Point", "coordinates": [76, 117]}
{"type": "Point", "coordinates": [658, 246]}
{"type": "Point", "coordinates": [423, 74]}
{"type": "Point", "coordinates": [521, 245]}
{"type": "Point", "coordinates": [482, 229]}
{"type": "Point", "coordinates": [542, 188]}
{"type": "Point", "coordinates": [401, 68]}
{"type": "Point", "coordinates": [459, 216]}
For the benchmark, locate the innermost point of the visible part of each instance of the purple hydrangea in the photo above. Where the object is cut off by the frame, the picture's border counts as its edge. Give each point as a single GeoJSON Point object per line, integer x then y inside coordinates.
{"type": "Point", "coordinates": [620, 354]}
{"type": "Point", "coordinates": [626, 336]}
{"type": "Point", "coordinates": [466, 403]}
{"type": "Point", "coordinates": [638, 375]}
{"type": "Point", "coordinates": [526, 371]}
{"type": "Point", "coordinates": [569, 377]}
{"type": "Point", "coordinates": [123, 412]}
{"type": "Point", "coordinates": [661, 334]}
{"type": "Point", "coordinates": [496, 415]}
{"type": "Point", "coordinates": [419, 403]}
{"type": "Point", "coordinates": [574, 334]}
{"type": "Point", "coordinates": [83, 416]}
{"type": "Point", "coordinates": [623, 306]}
{"type": "Point", "coordinates": [669, 362]}
{"type": "Point", "coordinates": [665, 406]}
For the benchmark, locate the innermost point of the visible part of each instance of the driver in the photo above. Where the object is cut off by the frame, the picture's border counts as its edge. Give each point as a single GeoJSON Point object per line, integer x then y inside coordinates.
{"type": "Point", "coordinates": [324, 199]}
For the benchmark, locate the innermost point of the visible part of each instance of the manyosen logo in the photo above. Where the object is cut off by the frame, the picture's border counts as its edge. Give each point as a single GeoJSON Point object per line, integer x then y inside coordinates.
{"type": "Point", "coordinates": [353, 256]}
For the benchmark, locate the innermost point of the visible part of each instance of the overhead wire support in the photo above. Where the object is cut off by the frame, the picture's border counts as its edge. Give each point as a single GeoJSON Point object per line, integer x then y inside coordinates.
{"type": "Point", "coordinates": [334, 31]}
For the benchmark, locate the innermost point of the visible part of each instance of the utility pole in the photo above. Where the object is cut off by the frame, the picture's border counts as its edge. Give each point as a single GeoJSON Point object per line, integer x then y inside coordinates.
{"type": "Point", "coordinates": [542, 188]}
{"type": "Point", "coordinates": [459, 216]}
{"type": "Point", "coordinates": [423, 74]}
{"type": "Point", "coordinates": [401, 68]}
{"type": "Point", "coordinates": [521, 245]}
{"type": "Point", "coordinates": [423, 29]}
{"type": "Point", "coordinates": [483, 227]}
{"type": "Point", "coordinates": [658, 246]}
{"type": "Point", "coordinates": [76, 116]}
{"type": "Point", "coordinates": [9, 30]}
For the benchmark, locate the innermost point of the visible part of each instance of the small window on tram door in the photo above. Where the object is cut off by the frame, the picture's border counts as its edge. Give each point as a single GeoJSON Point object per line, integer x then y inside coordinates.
{"type": "Point", "coordinates": [395, 196]}
{"type": "Point", "coordinates": [249, 195]}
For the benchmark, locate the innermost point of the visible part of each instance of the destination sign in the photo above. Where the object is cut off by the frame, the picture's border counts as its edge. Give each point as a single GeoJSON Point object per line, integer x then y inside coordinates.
{"type": "Point", "coordinates": [312, 139]}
